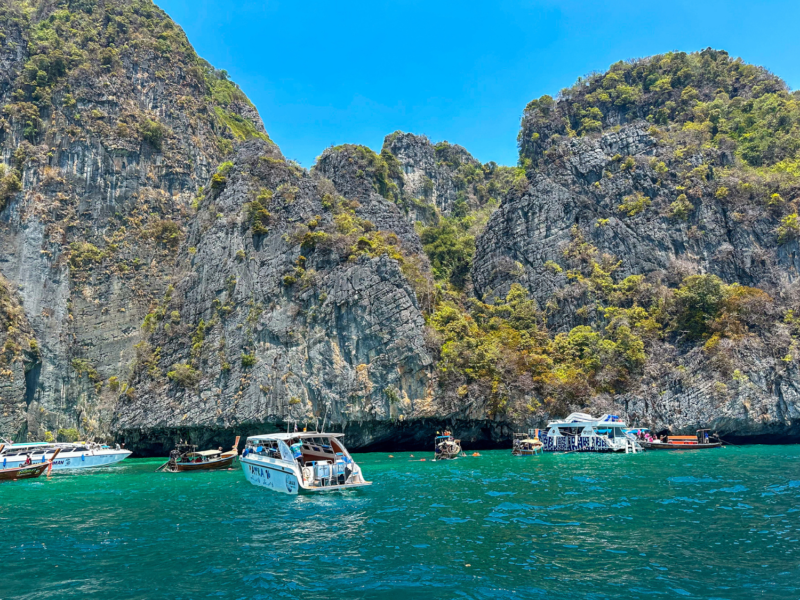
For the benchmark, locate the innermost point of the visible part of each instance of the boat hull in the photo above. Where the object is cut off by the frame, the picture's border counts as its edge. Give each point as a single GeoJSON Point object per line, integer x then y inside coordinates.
{"type": "Point", "coordinates": [272, 476]}
{"type": "Point", "coordinates": [284, 479]}
{"type": "Point", "coordinates": [211, 465]}
{"type": "Point", "coordinates": [572, 444]}
{"type": "Point", "coordinates": [29, 472]}
{"type": "Point", "coordinates": [668, 446]}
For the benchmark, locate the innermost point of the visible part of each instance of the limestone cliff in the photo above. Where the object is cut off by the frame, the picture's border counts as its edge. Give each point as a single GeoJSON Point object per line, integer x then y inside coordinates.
{"type": "Point", "coordinates": [110, 122]}
{"type": "Point", "coordinates": [165, 271]}
{"type": "Point", "coordinates": [644, 182]}
{"type": "Point", "coordinates": [286, 307]}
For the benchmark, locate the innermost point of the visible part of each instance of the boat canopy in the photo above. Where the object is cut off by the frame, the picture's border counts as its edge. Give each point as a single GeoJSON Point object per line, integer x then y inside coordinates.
{"type": "Point", "coordinates": [28, 445]}
{"type": "Point", "coordinates": [584, 419]}
{"type": "Point", "coordinates": [206, 453]}
{"type": "Point", "coordinates": [282, 437]}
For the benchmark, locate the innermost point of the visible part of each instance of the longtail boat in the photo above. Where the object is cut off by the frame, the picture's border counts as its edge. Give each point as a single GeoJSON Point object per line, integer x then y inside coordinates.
{"type": "Point", "coordinates": [446, 447]}
{"type": "Point", "coordinates": [701, 441]}
{"type": "Point", "coordinates": [186, 457]}
{"type": "Point", "coordinates": [31, 471]}
{"type": "Point", "coordinates": [527, 444]}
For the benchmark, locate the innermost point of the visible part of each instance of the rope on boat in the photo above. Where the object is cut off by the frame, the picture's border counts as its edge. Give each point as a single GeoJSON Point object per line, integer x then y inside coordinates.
{"type": "Point", "coordinates": [724, 441]}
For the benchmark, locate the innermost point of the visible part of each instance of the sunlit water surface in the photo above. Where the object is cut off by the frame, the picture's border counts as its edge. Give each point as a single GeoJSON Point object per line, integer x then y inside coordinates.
{"type": "Point", "coordinates": [705, 524]}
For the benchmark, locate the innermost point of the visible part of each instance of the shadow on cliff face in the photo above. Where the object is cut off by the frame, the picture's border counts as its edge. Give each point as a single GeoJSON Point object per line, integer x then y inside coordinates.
{"type": "Point", "coordinates": [370, 436]}
{"type": "Point", "coordinates": [391, 436]}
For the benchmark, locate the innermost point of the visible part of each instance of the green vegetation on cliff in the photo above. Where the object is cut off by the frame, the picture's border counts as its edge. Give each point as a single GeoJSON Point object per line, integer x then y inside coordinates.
{"type": "Point", "coordinates": [732, 102]}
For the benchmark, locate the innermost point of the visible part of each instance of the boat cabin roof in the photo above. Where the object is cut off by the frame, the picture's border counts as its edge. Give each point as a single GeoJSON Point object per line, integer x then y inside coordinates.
{"type": "Point", "coordinates": [206, 453]}
{"type": "Point", "coordinates": [284, 437]}
{"type": "Point", "coordinates": [28, 445]}
{"type": "Point", "coordinates": [584, 420]}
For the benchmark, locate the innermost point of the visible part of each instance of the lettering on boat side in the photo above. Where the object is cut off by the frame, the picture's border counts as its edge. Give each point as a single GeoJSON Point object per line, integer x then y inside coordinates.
{"type": "Point", "coordinates": [290, 484]}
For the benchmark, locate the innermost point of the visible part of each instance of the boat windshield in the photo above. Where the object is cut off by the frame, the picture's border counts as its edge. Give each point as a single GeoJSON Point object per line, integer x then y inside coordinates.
{"type": "Point", "coordinates": [304, 449]}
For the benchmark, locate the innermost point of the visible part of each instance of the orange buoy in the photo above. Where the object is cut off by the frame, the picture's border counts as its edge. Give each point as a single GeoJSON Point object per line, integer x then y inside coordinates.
{"type": "Point", "coordinates": [475, 454]}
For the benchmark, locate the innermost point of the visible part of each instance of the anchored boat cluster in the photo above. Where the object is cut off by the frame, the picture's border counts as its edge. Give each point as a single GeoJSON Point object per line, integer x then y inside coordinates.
{"type": "Point", "coordinates": [312, 462]}
{"type": "Point", "coordinates": [580, 432]}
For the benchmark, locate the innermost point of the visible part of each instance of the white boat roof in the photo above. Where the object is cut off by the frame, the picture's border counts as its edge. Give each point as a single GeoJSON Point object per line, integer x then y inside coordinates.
{"type": "Point", "coordinates": [30, 444]}
{"type": "Point", "coordinates": [582, 419]}
{"type": "Point", "coordinates": [292, 436]}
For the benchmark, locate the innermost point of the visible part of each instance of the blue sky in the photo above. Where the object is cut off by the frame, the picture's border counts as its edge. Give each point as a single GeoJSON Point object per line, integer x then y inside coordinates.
{"type": "Point", "coordinates": [353, 71]}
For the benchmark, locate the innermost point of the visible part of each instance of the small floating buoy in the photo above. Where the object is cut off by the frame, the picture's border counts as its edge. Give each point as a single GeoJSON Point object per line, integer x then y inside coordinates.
{"type": "Point", "coordinates": [475, 454]}
{"type": "Point", "coordinates": [412, 456]}
{"type": "Point", "coordinates": [391, 456]}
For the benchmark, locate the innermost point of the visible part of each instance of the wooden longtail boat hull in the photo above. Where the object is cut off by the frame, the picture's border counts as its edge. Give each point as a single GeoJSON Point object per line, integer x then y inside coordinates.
{"type": "Point", "coordinates": [211, 465]}
{"type": "Point", "coordinates": [27, 472]}
{"type": "Point", "coordinates": [668, 446]}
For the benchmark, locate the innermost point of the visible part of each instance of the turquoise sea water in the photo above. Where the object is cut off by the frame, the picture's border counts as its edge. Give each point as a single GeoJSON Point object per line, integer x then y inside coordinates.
{"type": "Point", "coordinates": [706, 524]}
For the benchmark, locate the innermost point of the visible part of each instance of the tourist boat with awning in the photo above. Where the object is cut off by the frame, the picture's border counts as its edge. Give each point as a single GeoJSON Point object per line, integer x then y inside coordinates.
{"type": "Point", "coordinates": [580, 432]}
{"type": "Point", "coordinates": [446, 447]}
{"type": "Point", "coordinates": [702, 440]}
{"type": "Point", "coordinates": [527, 444]}
{"type": "Point", "coordinates": [186, 457]}
{"type": "Point", "coordinates": [26, 471]}
{"type": "Point", "coordinates": [301, 463]}
{"type": "Point", "coordinates": [78, 455]}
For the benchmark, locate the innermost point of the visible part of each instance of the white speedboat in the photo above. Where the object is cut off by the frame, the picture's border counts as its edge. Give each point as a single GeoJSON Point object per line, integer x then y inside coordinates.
{"type": "Point", "coordinates": [80, 455]}
{"type": "Point", "coordinates": [300, 463]}
{"type": "Point", "coordinates": [580, 432]}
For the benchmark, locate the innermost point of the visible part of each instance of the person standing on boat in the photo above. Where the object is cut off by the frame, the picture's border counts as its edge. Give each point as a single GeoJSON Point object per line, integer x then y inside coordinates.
{"type": "Point", "coordinates": [297, 451]}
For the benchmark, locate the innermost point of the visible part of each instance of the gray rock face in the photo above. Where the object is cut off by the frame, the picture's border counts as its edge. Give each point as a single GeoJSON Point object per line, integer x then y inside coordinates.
{"type": "Point", "coordinates": [425, 176]}
{"type": "Point", "coordinates": [359, 174]}
{"type": "Point", "coordinates": [584, 187]}
{"type": "Point", "coordinates": [337, 338]}
{"type": "Point", "coordinates": [761, 404]}
{"type": "Point", "coordinates": [19, 359]}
